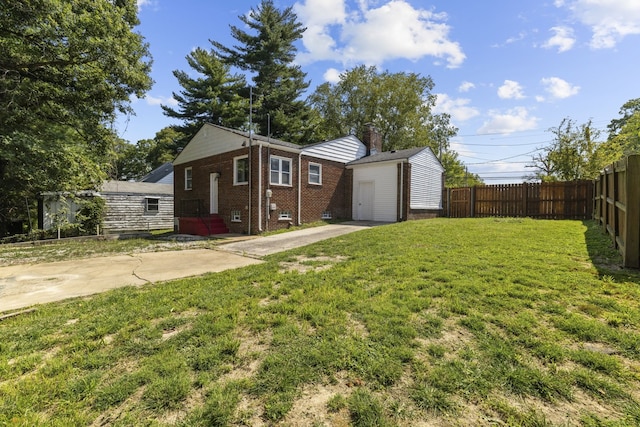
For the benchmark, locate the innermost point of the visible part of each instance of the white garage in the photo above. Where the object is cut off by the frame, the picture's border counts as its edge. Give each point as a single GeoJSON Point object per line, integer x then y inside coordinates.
{"type": "Point", "coordinates": [397, 185]}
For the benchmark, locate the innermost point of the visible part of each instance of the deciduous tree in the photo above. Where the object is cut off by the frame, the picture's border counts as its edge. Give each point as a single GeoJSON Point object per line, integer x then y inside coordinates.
{"type": "Point", "coordinates": [66, 69]}
{"type": "Point", "coordinates": [400, 105]}
{"type": "Point", "coordinates": [575, 153]}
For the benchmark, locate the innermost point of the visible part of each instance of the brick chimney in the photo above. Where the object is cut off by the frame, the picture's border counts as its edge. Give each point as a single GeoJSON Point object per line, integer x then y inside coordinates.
{"type": "Point", "coordinates": [372, 139]}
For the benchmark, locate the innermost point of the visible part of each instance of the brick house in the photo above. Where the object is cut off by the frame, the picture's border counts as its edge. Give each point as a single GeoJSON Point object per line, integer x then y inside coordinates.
{"type": "Point", "coordinates": [227, 180]}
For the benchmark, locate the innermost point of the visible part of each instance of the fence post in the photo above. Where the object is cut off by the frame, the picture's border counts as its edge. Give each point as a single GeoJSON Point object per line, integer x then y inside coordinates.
{"type": "Point", "coordinates": [525, 200]}
{"type": "Point", "coordinates": [632, 238]}
{"type": "Point", "coordinates": [473, 201]}
{"type": "Point", "coordinates": [448, 202]}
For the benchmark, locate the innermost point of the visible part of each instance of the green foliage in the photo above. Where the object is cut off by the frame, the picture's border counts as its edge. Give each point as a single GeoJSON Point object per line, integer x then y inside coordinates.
{"type": "Point", "coordinates": [268, 51]}
{"type": "Point", "coordinates": [398, 104]}
{"type": "Point", "coordinates": [627, 140]}
{"type": "Point", "coordinates": [91, 214]}
{"type": "Point", "coordinates": [135, 161]}
{"type": "Point", "coordinates": [66, 69]}
{"type": "Point", "coordinates": [215, 96]}
{"type": "Point", "coordinates": [628, 110]}
{"type": "Point", "coordinates": [575, 154]}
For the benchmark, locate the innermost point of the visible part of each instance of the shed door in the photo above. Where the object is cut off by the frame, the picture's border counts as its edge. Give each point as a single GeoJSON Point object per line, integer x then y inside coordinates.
{"type": "Point", "coordinates": [213, 186]}
{"type": "Point", "coordinates": [365, 200]}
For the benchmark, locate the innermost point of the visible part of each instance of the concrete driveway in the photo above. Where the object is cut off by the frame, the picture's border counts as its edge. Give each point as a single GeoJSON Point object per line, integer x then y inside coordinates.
{"type": "Point", "coordinates": [25, 285]}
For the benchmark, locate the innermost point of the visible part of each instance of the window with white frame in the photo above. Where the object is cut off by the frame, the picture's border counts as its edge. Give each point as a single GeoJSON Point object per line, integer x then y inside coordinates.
{"type": "Point", "coordinates": [280, 171]}
{"type": "Point", "coordinates": [284, 215]}
{"type": "Point", "coordinates": [241, 170]}
{"type": "Point", "coordinates": [315, 173]}
{"type": "Point", "coordinates": [235, 216]}
{"type": "Point", "coordinates": [152, 205]}
{"type": "Point", "coordinates": [327, 215]}
{"type": "Point", "coordinates": [188, 179]}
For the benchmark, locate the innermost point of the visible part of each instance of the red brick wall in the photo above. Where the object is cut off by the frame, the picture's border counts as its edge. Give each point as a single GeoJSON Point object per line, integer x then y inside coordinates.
{"type": "Point", "coordinates": [334, 195]}
{"type": "Point", "coordinates": [230, 197]}
{"type": "Point", "coordinates": [284, 197]}
{"type": "Point", "coordinates": [328, 197]}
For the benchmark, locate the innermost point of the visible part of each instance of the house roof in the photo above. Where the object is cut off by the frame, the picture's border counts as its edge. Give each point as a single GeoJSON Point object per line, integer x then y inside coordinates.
{"type": "Point", "coordinates": [386, 156]}
{"type": "Point", "coordinates": [158, 173]}
{"type": "Point", "coordinates": [127, 187]}
{"type": "Point", "coordinates": [257, 137]}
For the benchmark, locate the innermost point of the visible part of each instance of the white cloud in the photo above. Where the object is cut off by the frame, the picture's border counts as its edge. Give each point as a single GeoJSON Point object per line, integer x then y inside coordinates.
{"type": "Point", "coordinates": [515, 120]}
{"type": "Point", "coordinates": [374, 35]}
{"type": "Point", "coordinates": [142, 3]}
{"type": "Point", "coordinates": [563, 39]}
{"type": "Point", "coordinates": [164, 100]}
{"type": "Point", "coordinates": [458, 108]}
{"type": "Point", "coordinates": [466, 86]}
{"type": "Point", "coordinates": [558, 88]}
{"type": "Point", "coordinates": [610, 20]}
{"type": "Point", "coordinates": [332, 75]}
{"type": "Point", "coordinates": [510, 90]}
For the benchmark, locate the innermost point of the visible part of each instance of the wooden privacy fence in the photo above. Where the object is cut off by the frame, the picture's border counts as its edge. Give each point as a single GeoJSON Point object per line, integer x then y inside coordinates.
{"type": "Point", "coordinates": [617, 207]}
{"type": "Point", "coordinates": [548, 200]}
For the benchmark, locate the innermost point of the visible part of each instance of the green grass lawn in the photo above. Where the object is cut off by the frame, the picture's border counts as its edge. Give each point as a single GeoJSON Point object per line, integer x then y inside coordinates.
{"type": "Point", "coordinates": [436, 323]}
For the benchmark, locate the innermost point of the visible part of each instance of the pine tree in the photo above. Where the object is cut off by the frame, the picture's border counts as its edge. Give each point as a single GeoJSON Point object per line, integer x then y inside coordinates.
{"type": "Point", "coordinates": [268, 52]}
{"type": "Point", "coordinates": [217, 96]}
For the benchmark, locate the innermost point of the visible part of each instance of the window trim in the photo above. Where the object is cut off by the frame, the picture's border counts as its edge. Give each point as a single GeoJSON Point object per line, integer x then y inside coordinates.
{"type": "Point", "coordinates": [281, 160]}
{"type": "Point", "coordinates": [188, 178]}
{"type": "Point", "coordinates": [236, 215]}
{"type": "Point", "coordinates": [319, 174]}
{"type": "Point", "coordinates": [157, 205]}
{"type": "Point", "coordinates": [235, 170]}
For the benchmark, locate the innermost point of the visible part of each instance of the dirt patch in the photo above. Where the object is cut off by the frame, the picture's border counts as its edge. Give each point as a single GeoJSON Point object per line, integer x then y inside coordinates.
{"type": "Point", "coordinates": [304, 264]}
{"type": "Point", "coordinates": [251, 352]}
{"type": "Point", "coordinates": [311, 407]}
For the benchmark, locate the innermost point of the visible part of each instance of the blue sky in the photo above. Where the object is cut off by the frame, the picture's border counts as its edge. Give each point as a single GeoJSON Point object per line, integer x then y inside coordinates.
{"type": "Point", "coordinates": [505, 70]}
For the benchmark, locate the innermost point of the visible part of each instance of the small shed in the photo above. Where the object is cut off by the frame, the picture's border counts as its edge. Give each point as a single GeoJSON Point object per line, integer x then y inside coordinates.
{"type": "Point", "coordinates": [397, 185]}
{"type": "Point", "coordinates": [129, 207]}
{"type": "Point", "coordinates": [137, 206]}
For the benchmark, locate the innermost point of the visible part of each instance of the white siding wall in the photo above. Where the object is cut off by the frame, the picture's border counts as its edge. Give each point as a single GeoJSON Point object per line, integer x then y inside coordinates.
{"type": "Point", "coordinates": [126, 212]}
{"type": "Point", "coordinates": [209, 141]}
{"type": "Point", "coordinates": [385, 177]}
{"type": "Point", "coordinates": [342, 150]}
{"type": "Point", "coordinates": [426, 181]}
{"type": "Point", "coordinates": [58, 211]}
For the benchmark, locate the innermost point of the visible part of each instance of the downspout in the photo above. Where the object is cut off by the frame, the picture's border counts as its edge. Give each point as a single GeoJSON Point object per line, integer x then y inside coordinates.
{"type": "Point", "coordinates": [260, 188]}
{"type": "Point", "coordinates": [299, 187]}
{"type": "Point", "coordinates": [401, 189]}
{"type": "Point", "coordinates": [250, 141]}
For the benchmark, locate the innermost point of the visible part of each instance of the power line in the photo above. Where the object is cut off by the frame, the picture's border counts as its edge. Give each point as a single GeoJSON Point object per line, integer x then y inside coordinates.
{"type": "Point", "coordinates": [502, 145]}
{"type": "Point", "coordinates": [506, 158]}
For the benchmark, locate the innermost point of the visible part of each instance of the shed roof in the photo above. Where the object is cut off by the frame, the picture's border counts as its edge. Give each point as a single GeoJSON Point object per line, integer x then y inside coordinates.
{"type": "Point", "coordinates": [386, 156]}
{"type": "Point", "coordinates": [127, 187]}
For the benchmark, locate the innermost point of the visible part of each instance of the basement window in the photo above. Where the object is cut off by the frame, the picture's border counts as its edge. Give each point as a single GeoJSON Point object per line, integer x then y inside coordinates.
{"type": "Point", "coordinates": [235, 216]}
{"type": "Point", "coordinates": [284, 215]}
{"type": "Point", "coordinates": [327, 215]}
